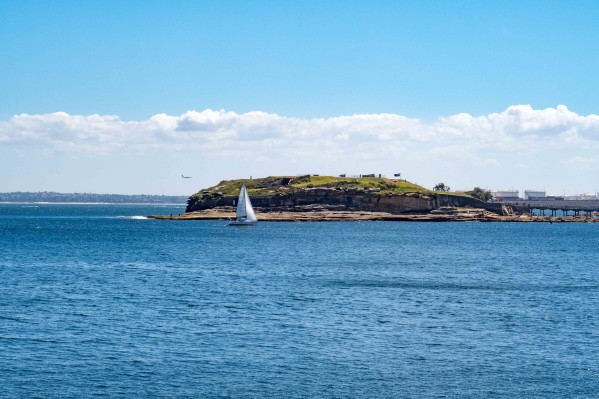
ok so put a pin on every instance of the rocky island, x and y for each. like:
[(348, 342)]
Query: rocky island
[(328, 198)]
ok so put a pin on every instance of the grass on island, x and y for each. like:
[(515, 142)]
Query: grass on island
[(272, 185)]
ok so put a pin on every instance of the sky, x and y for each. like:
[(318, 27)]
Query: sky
[(125, 97)]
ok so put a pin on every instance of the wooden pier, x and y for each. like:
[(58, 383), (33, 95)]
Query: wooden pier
[(575, 208)]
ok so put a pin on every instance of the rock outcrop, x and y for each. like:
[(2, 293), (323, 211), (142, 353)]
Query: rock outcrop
[(347, 199)]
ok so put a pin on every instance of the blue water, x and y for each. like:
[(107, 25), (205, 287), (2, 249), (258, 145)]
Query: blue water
[(94, 302)]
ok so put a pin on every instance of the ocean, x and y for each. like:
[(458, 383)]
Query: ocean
[(96, 300)]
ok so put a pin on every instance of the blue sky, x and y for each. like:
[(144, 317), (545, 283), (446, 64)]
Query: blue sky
[(422, 60)]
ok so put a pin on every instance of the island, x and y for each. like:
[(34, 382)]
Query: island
[(330, 198)]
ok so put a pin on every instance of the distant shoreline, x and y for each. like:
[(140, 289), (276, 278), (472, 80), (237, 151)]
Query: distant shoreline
[(472, 215), (89, 198), (89, 203)]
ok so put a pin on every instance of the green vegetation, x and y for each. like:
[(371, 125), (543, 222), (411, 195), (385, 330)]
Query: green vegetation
[(479, 193), (441, 187), (289, 184)]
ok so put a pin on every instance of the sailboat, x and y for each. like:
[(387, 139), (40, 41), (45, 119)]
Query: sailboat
[(245, 213)]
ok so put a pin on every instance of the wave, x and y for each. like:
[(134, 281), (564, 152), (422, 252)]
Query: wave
[(434, 285)]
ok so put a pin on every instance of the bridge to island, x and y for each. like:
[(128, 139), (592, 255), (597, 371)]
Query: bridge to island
[(567, 207)]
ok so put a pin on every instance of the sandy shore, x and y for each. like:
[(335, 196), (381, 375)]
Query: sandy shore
[(468, 215)]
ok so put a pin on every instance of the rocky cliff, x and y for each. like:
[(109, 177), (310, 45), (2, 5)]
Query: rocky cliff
[(341, 198)]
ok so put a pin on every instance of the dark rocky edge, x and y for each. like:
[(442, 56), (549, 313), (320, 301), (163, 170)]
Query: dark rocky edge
[(318, 213), (348, 199), (327, 198)]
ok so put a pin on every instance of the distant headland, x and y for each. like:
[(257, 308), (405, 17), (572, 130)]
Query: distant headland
[(324, 198), (54, 197)]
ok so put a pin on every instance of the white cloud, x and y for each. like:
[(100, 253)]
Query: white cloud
[(487, 162), (520, 146), (584, 163), (519, 128), (515, 128)]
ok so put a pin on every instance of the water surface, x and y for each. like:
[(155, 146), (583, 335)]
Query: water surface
[(97, 301)]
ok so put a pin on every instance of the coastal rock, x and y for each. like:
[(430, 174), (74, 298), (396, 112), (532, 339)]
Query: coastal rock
[(320, 214), (349, 199), (311, 193)]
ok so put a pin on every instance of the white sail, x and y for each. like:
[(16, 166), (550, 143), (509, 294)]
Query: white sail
[(245, 215), (241, 211), (249, 211)]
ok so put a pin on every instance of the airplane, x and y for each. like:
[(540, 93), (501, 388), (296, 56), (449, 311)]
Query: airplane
[(186, 177)]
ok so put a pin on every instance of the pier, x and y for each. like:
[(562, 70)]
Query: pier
[(575, 208)]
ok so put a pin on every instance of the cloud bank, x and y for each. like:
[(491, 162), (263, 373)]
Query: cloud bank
[(518, 128), (520, 145)]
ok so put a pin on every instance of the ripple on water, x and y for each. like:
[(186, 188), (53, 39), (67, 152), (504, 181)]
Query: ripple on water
[(97, 304)]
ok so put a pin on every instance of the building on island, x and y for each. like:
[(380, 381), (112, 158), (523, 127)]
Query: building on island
[(534, 195), (506, 195), (581, 197)]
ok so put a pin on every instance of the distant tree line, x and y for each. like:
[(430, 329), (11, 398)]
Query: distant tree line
[(476, 192), (46, 196), (441, 187), (483, 195)]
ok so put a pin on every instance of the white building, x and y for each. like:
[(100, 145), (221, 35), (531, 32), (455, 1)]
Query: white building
[(534, 195), (581, 197), (506, 195)]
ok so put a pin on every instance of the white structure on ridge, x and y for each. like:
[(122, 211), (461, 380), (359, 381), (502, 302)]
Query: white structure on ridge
[(506, 195), (581, 197), (534, 195)]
